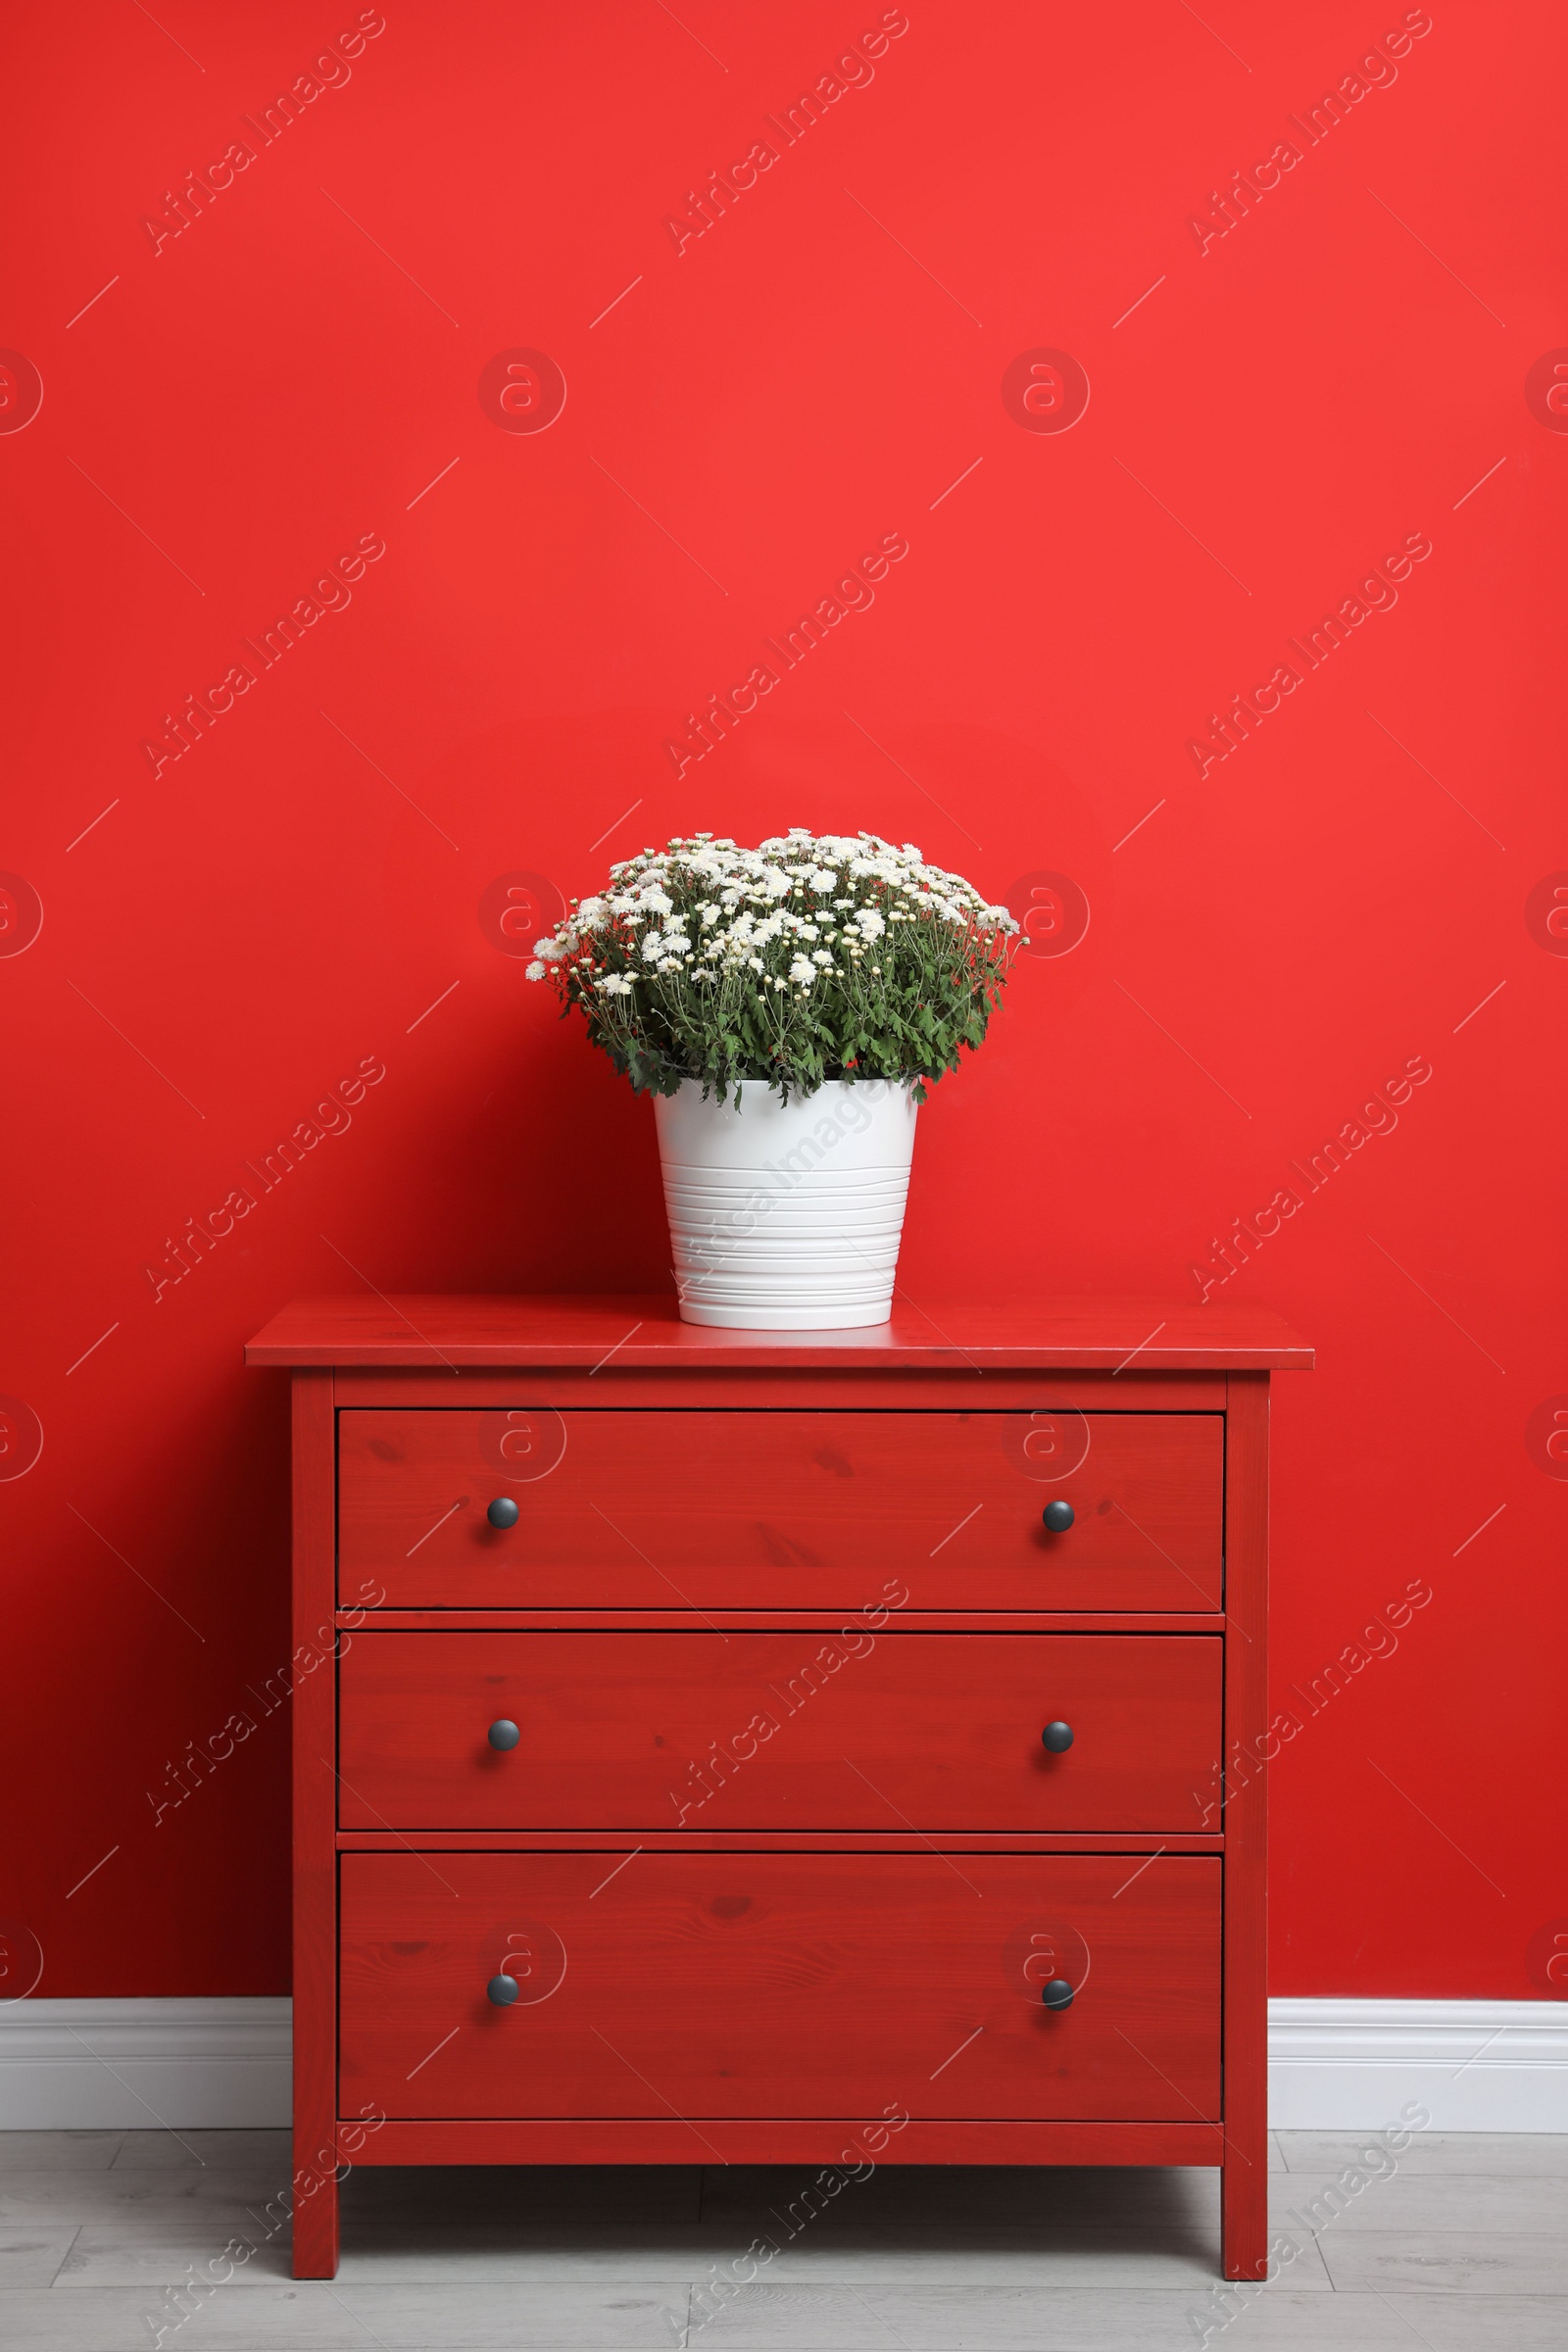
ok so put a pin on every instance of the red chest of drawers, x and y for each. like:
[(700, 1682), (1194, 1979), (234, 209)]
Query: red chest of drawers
[(774, 1747)]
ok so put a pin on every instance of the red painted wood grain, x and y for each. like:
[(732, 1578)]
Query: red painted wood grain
[(355, 1330), (805, 1984), (1245, 1783), (781, 2139), (777, 1730), (314, 1911), (701, 1509)]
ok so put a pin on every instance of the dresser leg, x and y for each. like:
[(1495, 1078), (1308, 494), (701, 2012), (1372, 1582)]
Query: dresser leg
[(314, 1700), (316, 2233), (1244, 2214)]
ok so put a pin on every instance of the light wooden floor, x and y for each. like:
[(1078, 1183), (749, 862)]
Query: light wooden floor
[(1464, 2249)]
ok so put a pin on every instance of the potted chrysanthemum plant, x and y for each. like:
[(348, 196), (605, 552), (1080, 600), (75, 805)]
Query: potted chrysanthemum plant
[(787, 1007)]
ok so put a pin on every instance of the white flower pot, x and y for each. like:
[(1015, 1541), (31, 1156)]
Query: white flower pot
[(786, 1216)]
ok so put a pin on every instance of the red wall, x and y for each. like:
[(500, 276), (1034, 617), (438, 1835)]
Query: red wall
[(310, 366)]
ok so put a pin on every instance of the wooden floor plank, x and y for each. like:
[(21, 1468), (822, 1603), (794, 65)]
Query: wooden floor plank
[(1465, 2246)]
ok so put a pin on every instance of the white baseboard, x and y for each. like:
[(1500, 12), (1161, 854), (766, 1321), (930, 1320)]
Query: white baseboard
[(132, 2065), (1475, 2066), (1333, 2066)]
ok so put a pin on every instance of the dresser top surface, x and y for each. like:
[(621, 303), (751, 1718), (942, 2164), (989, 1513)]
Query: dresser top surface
[(586, 1330)]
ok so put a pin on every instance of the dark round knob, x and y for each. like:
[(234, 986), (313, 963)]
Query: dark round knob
[(1058, 1737), (507, 1735), (1058, 1994), (502, 1990), (1058, 1516), (503, 1512)]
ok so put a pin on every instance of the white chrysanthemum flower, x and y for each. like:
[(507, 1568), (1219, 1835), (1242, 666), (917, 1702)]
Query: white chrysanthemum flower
[(535, 970), (704, 910)]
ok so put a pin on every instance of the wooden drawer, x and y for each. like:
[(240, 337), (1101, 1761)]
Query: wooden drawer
[(801, 1730), (782, 1986), (681, 1510)]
